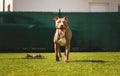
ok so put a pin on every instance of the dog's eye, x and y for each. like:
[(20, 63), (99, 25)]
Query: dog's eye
[(59, 22), (64, 22)]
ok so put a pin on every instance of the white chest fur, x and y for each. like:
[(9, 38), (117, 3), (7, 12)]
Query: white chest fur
[(62, 41)]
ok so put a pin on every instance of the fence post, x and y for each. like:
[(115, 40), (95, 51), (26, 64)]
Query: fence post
[(59, 12)]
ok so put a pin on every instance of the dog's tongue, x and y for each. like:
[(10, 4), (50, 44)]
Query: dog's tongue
[(60, 31)]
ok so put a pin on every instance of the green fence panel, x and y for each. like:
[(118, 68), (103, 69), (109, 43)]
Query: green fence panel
[(91, 31)]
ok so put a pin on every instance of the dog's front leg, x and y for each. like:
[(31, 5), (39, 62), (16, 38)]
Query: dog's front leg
[(57, 52), (67, 50)]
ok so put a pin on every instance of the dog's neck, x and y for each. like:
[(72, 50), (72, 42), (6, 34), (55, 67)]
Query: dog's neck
[(61, 35)]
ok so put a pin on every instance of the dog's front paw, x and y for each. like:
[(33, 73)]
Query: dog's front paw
[(57, 58), (60, 58), (66, 60)]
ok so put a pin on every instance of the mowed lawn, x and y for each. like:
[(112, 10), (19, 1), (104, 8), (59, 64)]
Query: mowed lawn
[(81, 64)]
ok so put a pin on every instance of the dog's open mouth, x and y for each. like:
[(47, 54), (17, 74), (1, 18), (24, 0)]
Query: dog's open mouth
[(61, 30)]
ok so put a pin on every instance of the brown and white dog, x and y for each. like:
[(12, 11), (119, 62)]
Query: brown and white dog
[(62, 37)]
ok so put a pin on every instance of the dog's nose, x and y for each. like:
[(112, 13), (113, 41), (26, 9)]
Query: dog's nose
[(61, 26)]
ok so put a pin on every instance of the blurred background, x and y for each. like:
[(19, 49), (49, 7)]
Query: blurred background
[(28, 26)]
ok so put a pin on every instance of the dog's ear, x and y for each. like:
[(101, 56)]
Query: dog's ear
[(66, 18), (55, 18)]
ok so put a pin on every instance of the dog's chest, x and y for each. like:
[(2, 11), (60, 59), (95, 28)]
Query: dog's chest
[(62, 39)]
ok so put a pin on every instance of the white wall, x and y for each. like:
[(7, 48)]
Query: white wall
[(48, 5), (64, 5), (1, 5), (113, 4), (7, 2)]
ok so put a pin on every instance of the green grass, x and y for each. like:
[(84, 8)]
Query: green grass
[(81, 64)]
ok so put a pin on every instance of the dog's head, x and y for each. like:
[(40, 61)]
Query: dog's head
[(61, 24)]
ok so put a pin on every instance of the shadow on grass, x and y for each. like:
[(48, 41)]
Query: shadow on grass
[(94, 61), (22, 58), (31, 58)]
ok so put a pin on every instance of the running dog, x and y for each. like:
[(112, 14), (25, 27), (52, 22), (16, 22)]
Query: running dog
[(62, 37)]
